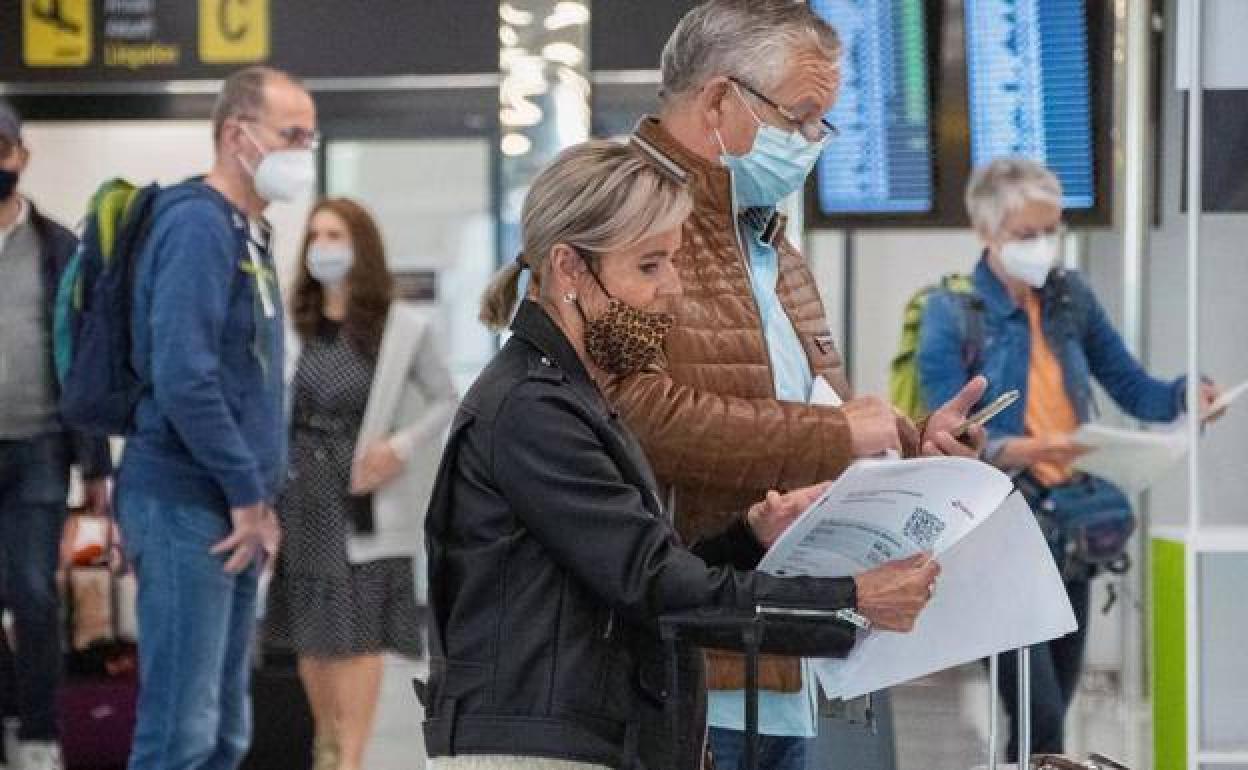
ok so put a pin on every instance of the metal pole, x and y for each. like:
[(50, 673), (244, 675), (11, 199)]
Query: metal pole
[(1024, 708), (752, 641), (848, 309), (669, 635), (1195, 128), (1135, 170), (994, 715), (1136, 18)]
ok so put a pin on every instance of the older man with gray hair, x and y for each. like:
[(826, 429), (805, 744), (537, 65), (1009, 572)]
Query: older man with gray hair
[(728, 414)]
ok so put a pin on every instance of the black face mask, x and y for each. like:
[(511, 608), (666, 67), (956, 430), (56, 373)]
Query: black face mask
[(8, 183)]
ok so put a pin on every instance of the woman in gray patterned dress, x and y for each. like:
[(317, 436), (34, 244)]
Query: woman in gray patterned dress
[(338, 612)]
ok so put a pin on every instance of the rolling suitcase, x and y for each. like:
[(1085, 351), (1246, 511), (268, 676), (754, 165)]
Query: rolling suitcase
[(97, 721), (1037, 761), (98, 698), (740, 631), (283, 729)]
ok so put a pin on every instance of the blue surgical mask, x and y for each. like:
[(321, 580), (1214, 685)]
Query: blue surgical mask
[(774, 168), (329, 263)]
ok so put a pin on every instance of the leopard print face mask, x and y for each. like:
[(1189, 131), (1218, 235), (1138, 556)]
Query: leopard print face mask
[(624, 339)]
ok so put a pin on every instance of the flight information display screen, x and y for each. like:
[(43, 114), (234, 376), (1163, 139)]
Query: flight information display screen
[(1029, 80), (881, 162)]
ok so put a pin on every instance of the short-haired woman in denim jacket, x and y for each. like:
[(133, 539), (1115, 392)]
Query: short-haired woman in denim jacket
[(1039, 330)]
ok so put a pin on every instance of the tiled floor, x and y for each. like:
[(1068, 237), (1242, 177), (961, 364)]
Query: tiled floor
[(940, 723), (397, 742)]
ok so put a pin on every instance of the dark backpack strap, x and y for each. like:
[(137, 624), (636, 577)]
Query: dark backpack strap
[(972, 332), (132, 239), (1071, 301)]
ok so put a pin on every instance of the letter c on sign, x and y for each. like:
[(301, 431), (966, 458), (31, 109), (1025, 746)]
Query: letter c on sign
[(230, 33)]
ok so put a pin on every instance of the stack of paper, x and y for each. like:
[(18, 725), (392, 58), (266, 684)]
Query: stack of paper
[(1228, 397), (1132, 459), (986, 540), (1137, 459)]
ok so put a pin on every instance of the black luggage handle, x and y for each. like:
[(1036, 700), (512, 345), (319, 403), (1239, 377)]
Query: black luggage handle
[(736, 630)]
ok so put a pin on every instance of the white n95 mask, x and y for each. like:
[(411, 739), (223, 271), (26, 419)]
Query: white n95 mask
[(282, 175), (1032, 260)]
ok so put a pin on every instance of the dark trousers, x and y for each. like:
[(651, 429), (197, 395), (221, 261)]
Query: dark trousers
[(8, 687), (8, 678), (775, 752), (34, 481), (1055, 668)]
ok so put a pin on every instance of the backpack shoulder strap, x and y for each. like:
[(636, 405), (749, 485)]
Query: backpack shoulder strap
[(972, 307), (1073, 297)]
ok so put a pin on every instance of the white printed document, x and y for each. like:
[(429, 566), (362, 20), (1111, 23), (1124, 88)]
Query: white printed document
[(1132, 459), (988, 544), (1228, 397), (1137, 459)]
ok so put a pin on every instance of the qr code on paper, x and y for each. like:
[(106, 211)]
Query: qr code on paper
[(923, 528)]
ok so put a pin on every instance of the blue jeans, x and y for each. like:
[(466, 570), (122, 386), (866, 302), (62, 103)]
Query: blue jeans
[(195, 630), (1055, 667), (775, 752), (34, 482)]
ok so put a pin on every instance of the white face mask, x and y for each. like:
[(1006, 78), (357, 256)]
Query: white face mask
[(283, 175), (329, 262), (1032, 260)]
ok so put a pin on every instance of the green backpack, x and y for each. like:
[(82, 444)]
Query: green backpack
[(91, 321), (904, 388)]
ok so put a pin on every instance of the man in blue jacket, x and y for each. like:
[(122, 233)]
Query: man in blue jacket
[(35, 452), (206, 453)]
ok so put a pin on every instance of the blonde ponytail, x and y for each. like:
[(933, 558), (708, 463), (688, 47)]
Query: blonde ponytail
[(596, 197), (498, 303)]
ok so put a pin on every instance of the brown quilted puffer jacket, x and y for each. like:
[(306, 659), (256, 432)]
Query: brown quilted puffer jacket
[(707, 414)]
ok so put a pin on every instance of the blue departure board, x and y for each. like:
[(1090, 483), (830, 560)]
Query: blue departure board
[(1029, 88), (881, 162)]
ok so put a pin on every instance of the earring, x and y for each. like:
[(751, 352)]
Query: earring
[(569, 297)]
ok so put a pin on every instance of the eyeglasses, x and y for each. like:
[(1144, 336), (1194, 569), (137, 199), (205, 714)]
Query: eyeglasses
[(293, 136), (814, 129), (1023, 236)]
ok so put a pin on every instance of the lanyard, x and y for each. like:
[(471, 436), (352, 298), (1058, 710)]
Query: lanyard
[(255, 266)]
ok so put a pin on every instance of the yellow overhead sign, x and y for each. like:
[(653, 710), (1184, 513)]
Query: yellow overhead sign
[(233, 31), (56, 33)]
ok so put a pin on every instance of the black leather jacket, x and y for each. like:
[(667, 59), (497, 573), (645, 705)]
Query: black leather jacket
[(550, 561)]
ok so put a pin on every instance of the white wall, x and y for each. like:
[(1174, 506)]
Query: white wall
[(432, 200), (1224, 316), (889, 267), (70, 160)]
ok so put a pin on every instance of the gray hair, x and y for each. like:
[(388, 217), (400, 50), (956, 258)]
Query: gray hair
[(750, 39), (597, 197), (1006, 185), (243, 95)]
